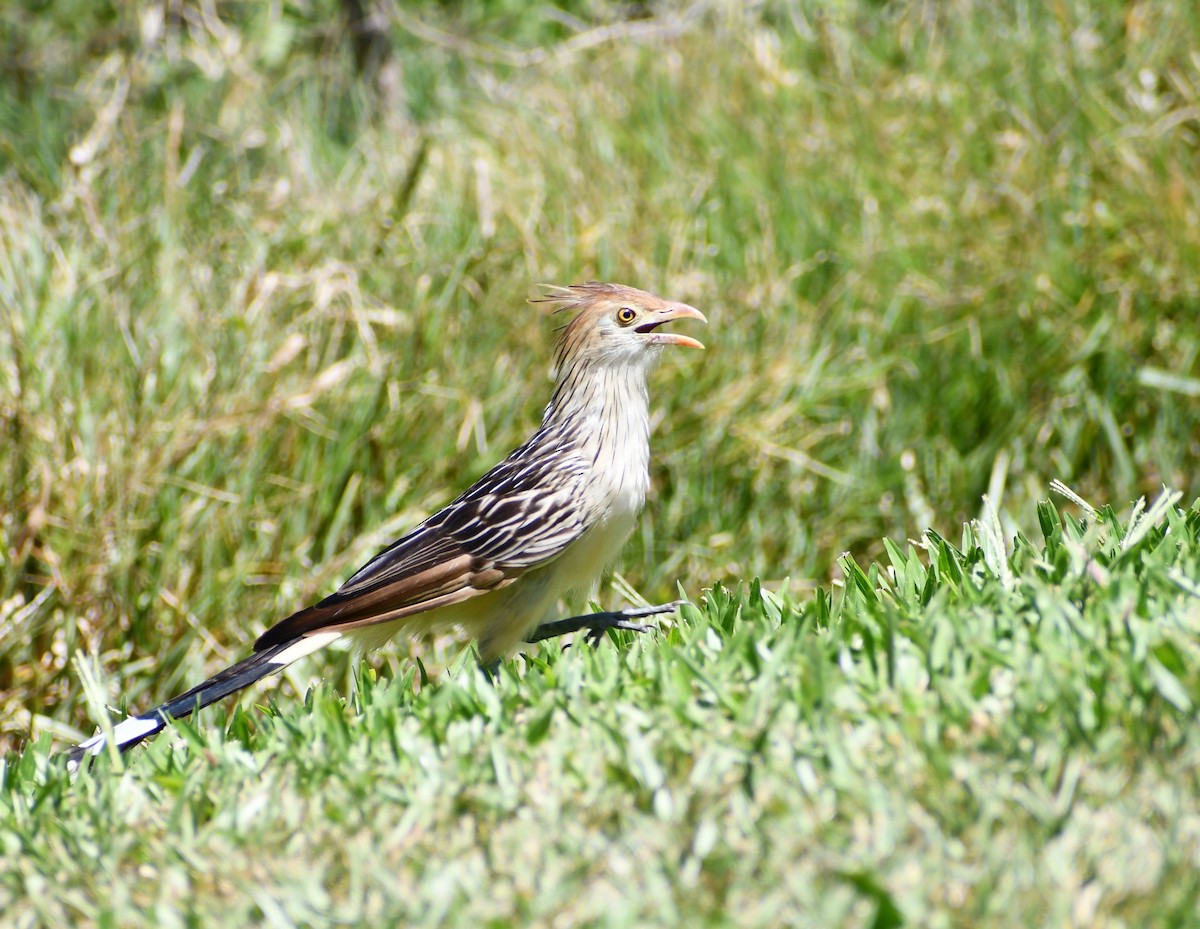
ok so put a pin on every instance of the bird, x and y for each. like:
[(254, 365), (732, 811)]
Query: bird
[(494, 563)]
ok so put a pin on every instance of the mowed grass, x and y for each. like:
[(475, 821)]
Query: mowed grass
[(974, 735), (261, 313)]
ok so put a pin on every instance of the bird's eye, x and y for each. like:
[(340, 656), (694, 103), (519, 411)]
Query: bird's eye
[(626, 315)]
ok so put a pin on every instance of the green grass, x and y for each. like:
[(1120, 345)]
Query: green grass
[(966, 735), (259, 314)]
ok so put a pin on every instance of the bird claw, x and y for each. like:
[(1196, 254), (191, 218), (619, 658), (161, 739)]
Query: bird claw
[(597, 624), (621, 619), (636, 612), (596, 632)]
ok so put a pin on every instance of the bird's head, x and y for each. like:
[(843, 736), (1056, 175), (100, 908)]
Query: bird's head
[(617, 325)]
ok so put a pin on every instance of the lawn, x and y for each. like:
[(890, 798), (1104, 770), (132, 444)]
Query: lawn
[(263, 307)]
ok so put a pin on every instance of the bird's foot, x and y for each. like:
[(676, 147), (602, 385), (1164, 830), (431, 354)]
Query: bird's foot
[(597, 624), (490, 671)]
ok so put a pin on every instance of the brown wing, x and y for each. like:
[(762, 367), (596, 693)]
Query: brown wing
[(519, 516)]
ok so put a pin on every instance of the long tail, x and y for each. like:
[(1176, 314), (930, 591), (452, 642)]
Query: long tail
[(129, 732)]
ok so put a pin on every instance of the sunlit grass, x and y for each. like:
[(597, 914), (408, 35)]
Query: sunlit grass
[(261, 314), (985, 734)]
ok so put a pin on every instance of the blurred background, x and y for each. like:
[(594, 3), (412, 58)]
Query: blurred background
[(264, 271)]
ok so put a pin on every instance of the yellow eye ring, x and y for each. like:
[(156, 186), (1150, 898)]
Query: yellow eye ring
[(626, 315)]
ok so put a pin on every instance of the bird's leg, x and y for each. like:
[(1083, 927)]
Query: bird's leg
[(595, 623), (598, 623)]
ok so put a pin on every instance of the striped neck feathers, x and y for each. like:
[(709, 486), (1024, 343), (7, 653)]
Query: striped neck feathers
[(608, 391)]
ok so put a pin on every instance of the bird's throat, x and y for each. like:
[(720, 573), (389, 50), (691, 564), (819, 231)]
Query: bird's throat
[(599, 398)]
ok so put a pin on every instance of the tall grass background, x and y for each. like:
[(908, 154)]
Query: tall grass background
[(263, 308)]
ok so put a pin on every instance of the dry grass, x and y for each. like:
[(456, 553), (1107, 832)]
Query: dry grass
[(259, 314)]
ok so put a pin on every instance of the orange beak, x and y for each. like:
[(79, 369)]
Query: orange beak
[(669, 313)]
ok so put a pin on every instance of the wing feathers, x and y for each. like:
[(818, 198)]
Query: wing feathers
[(315, 621), (520, 515)]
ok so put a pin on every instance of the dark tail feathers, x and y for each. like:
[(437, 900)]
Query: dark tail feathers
[(129, 732)]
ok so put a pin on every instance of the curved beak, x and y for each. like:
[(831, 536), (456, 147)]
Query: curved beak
[(669, 313)]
